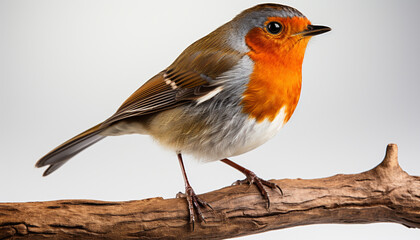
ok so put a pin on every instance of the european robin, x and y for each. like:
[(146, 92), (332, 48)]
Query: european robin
[(226, 94)]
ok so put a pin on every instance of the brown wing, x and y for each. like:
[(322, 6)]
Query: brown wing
[(192, 75), (157, 94)]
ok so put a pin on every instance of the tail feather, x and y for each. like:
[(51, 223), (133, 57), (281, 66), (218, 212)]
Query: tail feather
[(61, 154)]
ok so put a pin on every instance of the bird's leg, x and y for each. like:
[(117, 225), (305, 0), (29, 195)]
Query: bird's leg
[(251, 178), (194, 203)]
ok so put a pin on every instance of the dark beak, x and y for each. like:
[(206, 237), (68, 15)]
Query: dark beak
[(313, 30)]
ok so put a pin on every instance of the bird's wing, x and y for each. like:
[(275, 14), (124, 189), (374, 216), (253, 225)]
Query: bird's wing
[(189, 78)]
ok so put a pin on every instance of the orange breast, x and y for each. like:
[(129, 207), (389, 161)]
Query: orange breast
[(276, 79)]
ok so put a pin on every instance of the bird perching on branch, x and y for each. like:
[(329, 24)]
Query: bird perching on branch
[(226, 94)]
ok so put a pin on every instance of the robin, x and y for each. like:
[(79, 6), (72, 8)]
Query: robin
[(226, 94)]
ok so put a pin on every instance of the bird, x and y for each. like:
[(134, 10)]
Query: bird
[(224, 95)]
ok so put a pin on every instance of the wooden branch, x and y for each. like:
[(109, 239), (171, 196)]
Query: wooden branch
[(383, 194)]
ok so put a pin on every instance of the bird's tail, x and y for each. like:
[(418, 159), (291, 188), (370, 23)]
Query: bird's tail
[(61, 154)]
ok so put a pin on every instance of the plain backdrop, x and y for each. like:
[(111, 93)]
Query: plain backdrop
[(67, 65)]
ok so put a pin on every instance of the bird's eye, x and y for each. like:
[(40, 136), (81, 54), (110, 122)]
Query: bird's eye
[(274, 27)]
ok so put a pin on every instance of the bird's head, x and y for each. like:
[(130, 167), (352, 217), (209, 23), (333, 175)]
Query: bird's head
[(273, 29)]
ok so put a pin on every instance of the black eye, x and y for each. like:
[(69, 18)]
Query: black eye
[(274, 27)]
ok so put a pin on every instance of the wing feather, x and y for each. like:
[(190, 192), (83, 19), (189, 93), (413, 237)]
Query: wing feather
[(186, 80)]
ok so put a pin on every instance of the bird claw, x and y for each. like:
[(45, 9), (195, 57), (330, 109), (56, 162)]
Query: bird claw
[(252, 178), (195, 204)]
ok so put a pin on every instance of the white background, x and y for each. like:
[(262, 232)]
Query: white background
[(67, 65)]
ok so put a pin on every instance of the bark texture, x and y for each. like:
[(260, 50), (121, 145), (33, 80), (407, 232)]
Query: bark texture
[(383, 194)]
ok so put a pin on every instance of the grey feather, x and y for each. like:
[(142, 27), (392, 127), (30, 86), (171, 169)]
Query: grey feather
[(61, 154)]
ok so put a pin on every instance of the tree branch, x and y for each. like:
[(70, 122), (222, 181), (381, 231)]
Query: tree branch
[(383, 194)]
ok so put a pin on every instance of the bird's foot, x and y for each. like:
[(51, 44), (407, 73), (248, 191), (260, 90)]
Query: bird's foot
[(252, 178), (195, 204)]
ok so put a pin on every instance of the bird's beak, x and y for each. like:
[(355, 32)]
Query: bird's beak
[(313, 30)]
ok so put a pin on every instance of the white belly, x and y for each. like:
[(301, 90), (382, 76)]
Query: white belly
[(261, 133), (222, 139)]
